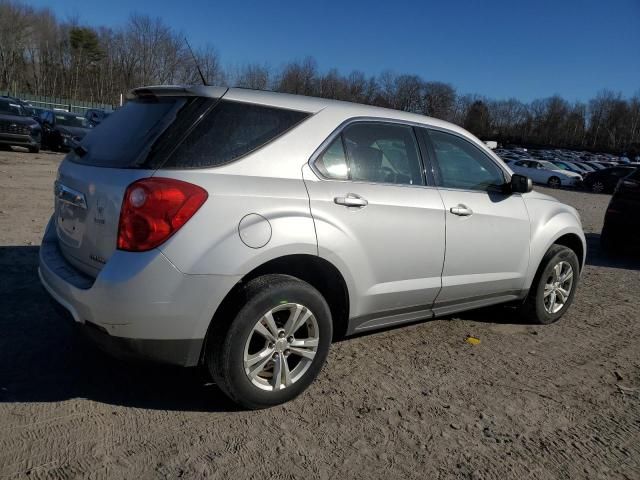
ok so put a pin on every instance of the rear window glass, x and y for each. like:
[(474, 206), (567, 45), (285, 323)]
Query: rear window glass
[(229, 131), (122, 139)]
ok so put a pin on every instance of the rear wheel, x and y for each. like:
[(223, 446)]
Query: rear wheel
[(553, 287), (554, 182), (35, 149), (275, 345)]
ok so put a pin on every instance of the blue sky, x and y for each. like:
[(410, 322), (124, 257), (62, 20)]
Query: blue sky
[(500, 48)]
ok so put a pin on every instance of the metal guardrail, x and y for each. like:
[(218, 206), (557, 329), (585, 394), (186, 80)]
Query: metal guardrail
[(52, 103)]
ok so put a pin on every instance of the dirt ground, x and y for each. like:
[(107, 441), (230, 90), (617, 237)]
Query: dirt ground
[(560, 401)]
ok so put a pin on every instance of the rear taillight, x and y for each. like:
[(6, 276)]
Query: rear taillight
[(153, 209)]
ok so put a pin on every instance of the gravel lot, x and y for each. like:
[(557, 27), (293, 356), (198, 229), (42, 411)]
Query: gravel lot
[(561, 401)]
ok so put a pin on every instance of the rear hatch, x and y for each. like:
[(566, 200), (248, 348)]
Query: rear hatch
[(128, 145)]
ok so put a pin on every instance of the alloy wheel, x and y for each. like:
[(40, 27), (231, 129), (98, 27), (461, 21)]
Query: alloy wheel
[(281, 347), (554, 182), (597, 187), (558, 287)]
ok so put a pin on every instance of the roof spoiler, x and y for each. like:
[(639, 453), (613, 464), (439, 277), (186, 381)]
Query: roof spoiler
[(177, 91)]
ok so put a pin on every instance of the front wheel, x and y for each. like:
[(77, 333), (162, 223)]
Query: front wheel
[(597, 187), (276, 344), (554, 182), (553, 287)]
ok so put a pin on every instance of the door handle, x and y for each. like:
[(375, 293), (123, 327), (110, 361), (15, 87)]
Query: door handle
[(461, 210), (351, 200)]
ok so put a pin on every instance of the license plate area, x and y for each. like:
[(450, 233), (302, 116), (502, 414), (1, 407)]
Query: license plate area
[(71, 214)]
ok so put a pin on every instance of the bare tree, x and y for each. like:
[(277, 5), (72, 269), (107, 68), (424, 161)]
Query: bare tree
[(42, 55), (439, 100), (254, 76)]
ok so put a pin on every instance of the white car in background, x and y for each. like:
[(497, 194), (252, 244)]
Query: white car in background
[(542, 171)]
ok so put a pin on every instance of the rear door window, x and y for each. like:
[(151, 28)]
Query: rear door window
[(373, 152)]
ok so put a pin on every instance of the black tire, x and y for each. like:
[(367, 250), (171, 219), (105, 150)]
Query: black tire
[(533, 308), (554, 182), (224, 351), (35, 149)]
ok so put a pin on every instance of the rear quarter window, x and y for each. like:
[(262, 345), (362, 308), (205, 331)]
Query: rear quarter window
[(230, 131)]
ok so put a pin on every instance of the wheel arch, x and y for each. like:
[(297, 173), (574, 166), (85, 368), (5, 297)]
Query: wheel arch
[(556, 225), (574, 242), (316, 271)]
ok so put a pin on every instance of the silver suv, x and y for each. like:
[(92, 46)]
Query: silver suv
[(243, 230)]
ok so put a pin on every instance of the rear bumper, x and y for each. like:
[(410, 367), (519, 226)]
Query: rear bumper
[(172, 352), (139, 305)]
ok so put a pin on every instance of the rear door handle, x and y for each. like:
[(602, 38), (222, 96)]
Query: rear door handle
[(461, 210), (351, 200)]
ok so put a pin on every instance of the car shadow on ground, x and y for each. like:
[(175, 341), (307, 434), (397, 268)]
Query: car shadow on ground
[(44, 359)]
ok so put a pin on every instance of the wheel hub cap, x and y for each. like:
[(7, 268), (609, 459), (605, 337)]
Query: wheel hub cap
[(281, 345)]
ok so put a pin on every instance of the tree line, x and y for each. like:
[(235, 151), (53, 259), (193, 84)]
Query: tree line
[(42, 55)]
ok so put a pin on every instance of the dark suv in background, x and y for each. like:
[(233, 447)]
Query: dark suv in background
[(17, 127), (62, 130), (621, 228)]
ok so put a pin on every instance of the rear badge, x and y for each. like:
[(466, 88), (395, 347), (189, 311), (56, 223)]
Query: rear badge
[(98, 259)]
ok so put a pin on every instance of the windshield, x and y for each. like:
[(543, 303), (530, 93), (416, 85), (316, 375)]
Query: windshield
[(10, 108), (578, 167), (548, 165), (586, 167), (562, 166), (70, 120)]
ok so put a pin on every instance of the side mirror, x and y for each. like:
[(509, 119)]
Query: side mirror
[(521, 184)]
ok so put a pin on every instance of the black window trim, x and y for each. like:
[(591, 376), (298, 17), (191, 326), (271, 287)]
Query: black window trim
[(432, 153), (427, 180)]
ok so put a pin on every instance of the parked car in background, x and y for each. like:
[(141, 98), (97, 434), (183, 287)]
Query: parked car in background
[(36, 113), (240, 230), (17, 127), (546, 173), (96, 116), (62, 130), (621, 230), (605, 181)]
